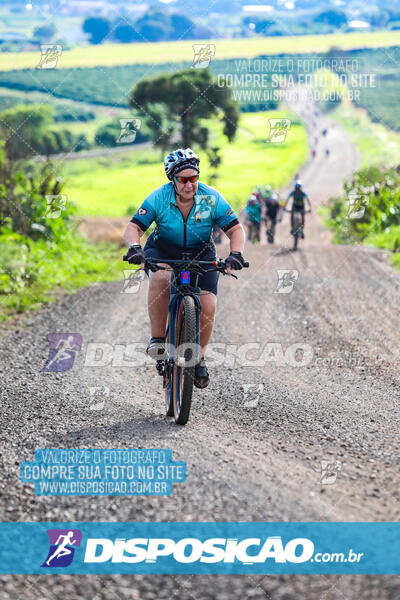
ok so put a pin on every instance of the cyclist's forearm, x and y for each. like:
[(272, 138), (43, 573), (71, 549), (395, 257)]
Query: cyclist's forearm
[(133, 233), (236, 237)]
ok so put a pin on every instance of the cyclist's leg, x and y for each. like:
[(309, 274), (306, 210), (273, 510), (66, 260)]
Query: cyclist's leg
[(158, 301), (159, 293), (208, 283), (208, 307)]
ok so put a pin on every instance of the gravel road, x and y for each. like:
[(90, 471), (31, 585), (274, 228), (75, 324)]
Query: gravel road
[(257, 435)]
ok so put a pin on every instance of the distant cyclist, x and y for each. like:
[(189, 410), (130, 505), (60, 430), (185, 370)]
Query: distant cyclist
[(272, 209), (253, 217), (299, 198), (258, 193)]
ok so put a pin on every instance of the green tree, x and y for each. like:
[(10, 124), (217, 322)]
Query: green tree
[(126, 33), (335, 17), (176, 104), (21, 127), (97, 27), (45, 33)]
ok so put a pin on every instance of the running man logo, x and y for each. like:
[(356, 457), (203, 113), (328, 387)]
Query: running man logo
[(63, 347), (63, 543), (286, 280), (203, 53), (278, 129), (50, 55), (129, 127)]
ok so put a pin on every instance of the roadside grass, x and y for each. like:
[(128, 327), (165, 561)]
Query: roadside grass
[(162, 52), (115, 185), (387, 240), (40, 272), (377, 144)]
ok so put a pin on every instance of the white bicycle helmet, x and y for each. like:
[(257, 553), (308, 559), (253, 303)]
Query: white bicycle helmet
[(180, 159)]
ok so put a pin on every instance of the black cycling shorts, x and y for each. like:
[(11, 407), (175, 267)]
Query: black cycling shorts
[(208, 281)]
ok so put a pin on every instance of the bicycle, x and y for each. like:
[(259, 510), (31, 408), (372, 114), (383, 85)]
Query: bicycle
[(297, 226), (253, 232), (182, 336)]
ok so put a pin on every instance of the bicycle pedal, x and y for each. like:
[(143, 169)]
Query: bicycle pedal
[(160, 367)]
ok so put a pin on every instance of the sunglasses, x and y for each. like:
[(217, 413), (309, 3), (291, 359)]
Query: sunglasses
[(192, 179)]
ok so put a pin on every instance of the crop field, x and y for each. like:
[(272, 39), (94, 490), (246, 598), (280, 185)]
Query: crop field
[(171, 52), (115, 185)]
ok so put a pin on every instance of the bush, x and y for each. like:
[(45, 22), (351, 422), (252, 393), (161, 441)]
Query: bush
[(39, 253), (369, 207)]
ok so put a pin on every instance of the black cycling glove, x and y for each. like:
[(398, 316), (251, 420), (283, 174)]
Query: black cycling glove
[(135, 255), (235, 261)]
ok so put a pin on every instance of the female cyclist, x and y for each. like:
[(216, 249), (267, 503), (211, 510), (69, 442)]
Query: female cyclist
[(185, 212)]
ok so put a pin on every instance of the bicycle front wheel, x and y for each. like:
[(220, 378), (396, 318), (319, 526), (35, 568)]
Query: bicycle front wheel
[(168, 381), (185, 354)]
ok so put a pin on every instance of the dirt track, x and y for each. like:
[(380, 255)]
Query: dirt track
[(253, 454)]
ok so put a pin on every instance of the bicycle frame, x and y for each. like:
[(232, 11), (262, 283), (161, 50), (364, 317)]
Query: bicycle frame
[(177, 291)]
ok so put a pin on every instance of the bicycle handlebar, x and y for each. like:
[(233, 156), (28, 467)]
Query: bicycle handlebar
[(219, 265)]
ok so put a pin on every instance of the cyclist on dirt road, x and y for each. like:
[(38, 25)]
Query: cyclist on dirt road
[(271, 215), (253, 217), (185, 212), (299, 197)]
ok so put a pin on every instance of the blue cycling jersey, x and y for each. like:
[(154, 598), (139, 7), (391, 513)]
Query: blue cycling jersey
[(209, 209)]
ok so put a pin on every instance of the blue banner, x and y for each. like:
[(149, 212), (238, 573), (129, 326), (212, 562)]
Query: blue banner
[(193, 548)]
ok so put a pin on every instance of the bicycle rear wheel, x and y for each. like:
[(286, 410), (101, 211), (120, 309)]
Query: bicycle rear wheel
[(183, 376)]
